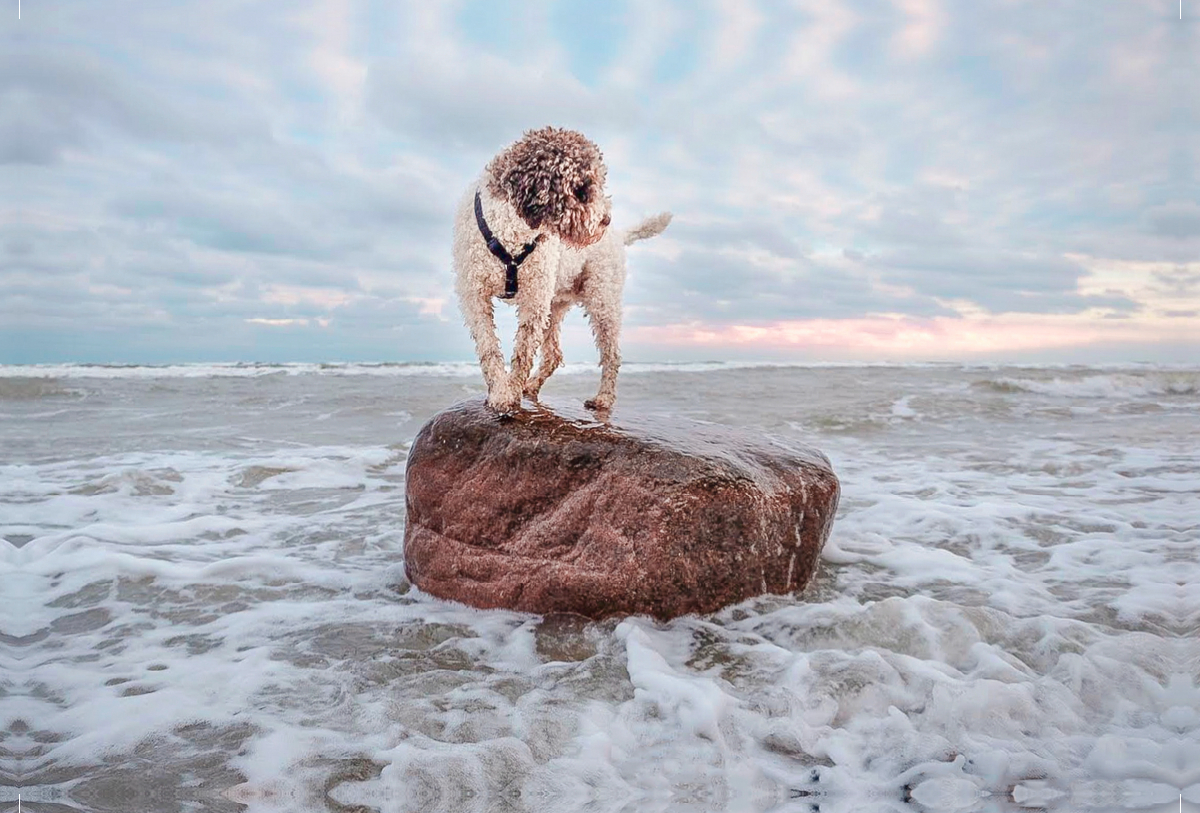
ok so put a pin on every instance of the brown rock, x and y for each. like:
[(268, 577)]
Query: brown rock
[(555, 512)]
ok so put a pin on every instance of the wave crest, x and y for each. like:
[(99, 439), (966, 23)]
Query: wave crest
[(1114, 385)]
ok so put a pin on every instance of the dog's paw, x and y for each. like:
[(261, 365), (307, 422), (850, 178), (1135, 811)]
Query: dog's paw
[(505, 400), (599, 404), (531, 392), (505, 406)]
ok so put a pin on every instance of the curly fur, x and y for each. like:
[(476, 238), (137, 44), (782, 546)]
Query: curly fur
[(554, 178), (548, 186)]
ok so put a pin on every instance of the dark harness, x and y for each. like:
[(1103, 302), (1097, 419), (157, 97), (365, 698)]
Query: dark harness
[(511, 263)]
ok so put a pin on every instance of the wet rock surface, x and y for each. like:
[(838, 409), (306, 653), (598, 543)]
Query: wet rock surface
[(552, 511)]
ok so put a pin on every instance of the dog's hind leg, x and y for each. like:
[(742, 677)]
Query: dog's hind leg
[(552, 357), (605, 315), (479, 313)]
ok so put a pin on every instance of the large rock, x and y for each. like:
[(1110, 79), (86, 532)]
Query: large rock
[(554, 512)]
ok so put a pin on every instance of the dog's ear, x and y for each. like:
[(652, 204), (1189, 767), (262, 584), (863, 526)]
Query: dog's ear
[(554, 179)]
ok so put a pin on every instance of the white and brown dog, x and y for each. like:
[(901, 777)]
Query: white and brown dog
[(534, 230)]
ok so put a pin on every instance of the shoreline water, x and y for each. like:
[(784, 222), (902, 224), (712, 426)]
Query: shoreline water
[(205, 604)]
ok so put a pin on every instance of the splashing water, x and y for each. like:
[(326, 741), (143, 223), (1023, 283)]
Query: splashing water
[(202, 603)]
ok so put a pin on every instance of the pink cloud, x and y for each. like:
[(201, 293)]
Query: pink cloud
[(939, 337)]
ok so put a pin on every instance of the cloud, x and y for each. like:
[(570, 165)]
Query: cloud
[(285, 322), (901, 338), (922, 29), (57, 99), (197, 176), (481, 101), (1178, 219)]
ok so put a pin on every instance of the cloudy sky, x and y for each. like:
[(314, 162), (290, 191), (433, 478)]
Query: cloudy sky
[(880, 179)]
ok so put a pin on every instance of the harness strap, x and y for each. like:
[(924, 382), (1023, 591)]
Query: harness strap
[(511, 263)]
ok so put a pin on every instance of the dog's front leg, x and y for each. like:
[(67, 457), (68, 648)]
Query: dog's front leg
[(533, 317), (480, 316)]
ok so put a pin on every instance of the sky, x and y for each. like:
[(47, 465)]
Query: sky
[(904, 180)]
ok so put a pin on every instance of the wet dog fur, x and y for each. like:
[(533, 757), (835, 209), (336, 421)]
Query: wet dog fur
[(547, 187)]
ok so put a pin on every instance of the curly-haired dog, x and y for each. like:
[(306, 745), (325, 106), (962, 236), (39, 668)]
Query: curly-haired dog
[(534, 231)]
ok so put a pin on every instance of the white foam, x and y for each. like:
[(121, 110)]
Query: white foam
[(468, 368), (902, 409), (460, 369), (1003, 614), (1111, 386)]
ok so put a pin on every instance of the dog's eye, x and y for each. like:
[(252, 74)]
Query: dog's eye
[(583, 192)]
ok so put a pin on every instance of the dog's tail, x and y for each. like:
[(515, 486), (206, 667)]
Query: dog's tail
[(649, 227)]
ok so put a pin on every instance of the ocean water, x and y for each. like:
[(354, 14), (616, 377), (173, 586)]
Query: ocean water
[(203, 604)]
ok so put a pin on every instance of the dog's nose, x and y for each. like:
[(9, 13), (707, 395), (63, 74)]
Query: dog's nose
[(607, 219)]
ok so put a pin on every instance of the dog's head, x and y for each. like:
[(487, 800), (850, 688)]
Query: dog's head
[(554, 178)]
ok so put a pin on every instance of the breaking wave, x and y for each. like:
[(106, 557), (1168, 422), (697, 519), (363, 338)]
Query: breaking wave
[(31, 389), (384, 369), (1115, 385)]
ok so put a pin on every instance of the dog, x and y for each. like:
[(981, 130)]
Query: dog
[(534, 231)]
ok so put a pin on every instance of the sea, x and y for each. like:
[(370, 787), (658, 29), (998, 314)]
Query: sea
[(203, 604)]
